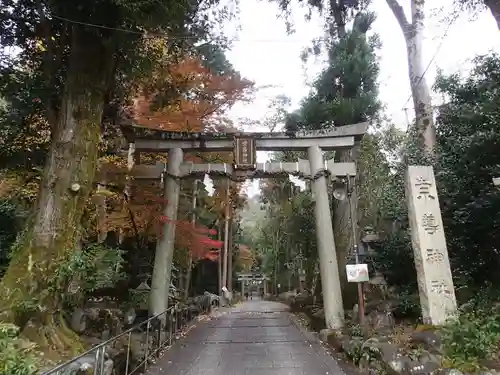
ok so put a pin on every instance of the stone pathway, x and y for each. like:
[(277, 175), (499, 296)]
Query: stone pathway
[(253, 338)]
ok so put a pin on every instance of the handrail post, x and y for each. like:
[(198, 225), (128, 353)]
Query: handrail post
[(173, 314), (146, 354), (128, 352)]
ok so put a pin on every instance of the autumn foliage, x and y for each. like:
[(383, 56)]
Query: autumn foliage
[(195, 239), (246, 258), (182, 96), (202, 105)]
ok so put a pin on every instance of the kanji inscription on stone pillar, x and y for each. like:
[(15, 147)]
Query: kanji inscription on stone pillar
[(435, 283)]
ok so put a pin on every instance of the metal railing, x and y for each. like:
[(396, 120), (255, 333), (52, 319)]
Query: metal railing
[(156, 333)]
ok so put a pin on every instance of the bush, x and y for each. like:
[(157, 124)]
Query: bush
[(472, 337), (16, 358), (95, 267), (10, 220), (408, 305)]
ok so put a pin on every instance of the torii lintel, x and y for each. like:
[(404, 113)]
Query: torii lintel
[(147, 140)]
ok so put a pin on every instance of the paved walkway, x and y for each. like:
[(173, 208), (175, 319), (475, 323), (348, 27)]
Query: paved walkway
[(253, 338)]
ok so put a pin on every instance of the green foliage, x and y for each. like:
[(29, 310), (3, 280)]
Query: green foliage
[(346, 90), (469, 157), (408, 303), (360, 351), (24, 137), (95, 267), (473, 337), (15, 359), (394, 258), (355, 330), (380, 188), (9, 226)]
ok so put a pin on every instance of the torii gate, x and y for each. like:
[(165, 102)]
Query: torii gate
[(252, 276), (244, 146)]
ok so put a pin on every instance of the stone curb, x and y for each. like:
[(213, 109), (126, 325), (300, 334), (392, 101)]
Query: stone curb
[(334, 364)]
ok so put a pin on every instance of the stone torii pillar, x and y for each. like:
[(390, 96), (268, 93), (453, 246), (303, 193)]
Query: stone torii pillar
[(329, 269), (160, 283)]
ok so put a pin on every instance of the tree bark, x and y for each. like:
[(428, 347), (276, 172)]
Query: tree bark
[(422, 101), (337, 10), (54, 230), (494, 6)]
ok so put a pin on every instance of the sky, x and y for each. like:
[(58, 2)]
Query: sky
[(266, 54)]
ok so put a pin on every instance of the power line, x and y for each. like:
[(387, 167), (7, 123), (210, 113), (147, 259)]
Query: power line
[(135, 32), (166, 36), (436, 52)]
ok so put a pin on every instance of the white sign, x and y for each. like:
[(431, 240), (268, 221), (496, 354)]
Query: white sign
[(209, 185), (357, 273)]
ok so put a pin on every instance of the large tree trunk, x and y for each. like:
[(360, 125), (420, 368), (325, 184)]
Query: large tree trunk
[(494, 6), (422, 101), (34, 277)]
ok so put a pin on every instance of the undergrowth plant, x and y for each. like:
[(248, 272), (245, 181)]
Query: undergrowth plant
[(16, 358), (472, 337)]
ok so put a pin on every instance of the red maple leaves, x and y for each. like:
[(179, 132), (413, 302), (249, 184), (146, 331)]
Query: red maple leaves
[(195, 239)]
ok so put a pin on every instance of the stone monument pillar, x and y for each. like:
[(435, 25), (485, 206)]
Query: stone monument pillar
[(435, 283)]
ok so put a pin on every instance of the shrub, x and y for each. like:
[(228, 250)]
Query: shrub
[(472, 337), (16, 358)]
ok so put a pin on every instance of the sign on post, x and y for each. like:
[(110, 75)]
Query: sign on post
[(357, 273), (244, 153)]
